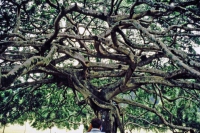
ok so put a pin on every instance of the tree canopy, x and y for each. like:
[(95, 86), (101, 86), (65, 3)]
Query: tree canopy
[(61, 59)]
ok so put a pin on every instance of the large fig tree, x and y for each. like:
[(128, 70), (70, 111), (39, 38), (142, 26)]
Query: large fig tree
[(132, 62)]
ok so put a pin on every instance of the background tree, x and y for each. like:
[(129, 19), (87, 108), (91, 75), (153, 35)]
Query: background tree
[(132, 62)]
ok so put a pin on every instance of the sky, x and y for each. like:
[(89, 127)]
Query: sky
[(197, 49)]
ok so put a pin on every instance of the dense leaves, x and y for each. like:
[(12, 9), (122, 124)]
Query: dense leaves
[(44, 107), (134, 59)]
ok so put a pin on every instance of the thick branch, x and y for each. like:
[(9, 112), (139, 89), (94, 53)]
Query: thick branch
[(118, 100), (26, 67)]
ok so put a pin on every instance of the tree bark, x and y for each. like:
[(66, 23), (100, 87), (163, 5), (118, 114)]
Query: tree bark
[(109, 124), (4, 126)]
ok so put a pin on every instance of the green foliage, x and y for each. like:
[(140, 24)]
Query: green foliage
[(103, 81), (44, 107)]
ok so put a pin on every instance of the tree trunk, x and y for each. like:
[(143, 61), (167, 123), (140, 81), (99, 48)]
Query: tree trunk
[(4, 126), (109, 124), (109, 114)]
